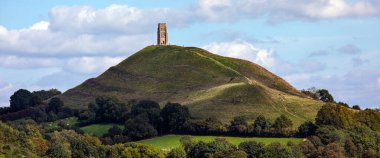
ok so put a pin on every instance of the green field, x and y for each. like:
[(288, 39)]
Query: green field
[(54, 125), (172, 141), (99, 129)]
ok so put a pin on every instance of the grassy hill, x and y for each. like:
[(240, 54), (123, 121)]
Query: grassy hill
[(209, 84)]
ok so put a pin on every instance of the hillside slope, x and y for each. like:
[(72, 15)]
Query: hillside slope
[(209, 84)]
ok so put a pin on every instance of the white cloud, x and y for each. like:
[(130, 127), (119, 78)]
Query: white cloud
[(6, 90), (42, 25), (22, 62), (298, 78), (114, 19), (243, 50), (378, 82), (279, 10), (90, 65)]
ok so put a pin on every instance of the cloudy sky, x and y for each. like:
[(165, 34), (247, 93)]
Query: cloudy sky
[(332, 44)]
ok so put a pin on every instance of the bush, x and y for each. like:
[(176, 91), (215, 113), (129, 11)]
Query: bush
[(137, 150), (174, 117), (306, 129), (252, 148), (277, 150), (177, 153), (139, 128)]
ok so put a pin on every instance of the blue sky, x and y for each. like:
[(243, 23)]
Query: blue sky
[(332, 44)]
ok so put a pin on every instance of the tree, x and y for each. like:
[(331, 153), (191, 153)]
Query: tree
[(174, 116), (107, 109), (307, 129), (148, 109), (214, 126), (21, 99), (261, 124), (239, 125), (333, 150), (329, 134), (137, 150), (178, 152), (277, 150), (115, 130), (59, 150), (356, 107), (199, 150), (324, 95), (217, 148), (281, 123), (44, 95), (54, 105), (337, 116), (138, 128), (187, 143), (253, 149), (350, 148), (309, 149)]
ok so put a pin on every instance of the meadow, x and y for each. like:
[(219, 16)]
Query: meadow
[(99, 129), (171, 141)]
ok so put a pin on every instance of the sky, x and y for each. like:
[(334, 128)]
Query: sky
[(330, 44)]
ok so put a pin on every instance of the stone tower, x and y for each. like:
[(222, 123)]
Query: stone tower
[(162, 34)]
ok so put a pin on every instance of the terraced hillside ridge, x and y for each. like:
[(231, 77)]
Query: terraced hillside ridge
[(209, 84)]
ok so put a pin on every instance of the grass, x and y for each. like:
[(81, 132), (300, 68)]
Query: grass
[(49, 126), (99, 129), (171, 141), (210, 85)]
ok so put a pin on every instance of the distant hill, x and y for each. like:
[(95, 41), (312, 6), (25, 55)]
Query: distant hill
[(209, 84)]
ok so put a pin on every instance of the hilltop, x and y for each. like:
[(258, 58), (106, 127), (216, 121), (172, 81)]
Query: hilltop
[(209, 84)]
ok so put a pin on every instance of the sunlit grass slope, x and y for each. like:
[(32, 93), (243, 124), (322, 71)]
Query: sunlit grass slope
[(209, 84)]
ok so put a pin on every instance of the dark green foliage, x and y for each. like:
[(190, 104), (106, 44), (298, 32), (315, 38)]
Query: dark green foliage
[(282, 124), (21, 99), (364, 138), (187, 143), (136, 150), (210, 125), (306, 129), (174, 117), (343, 104), (324, 95), (261, 124), (295, 150), (199, 150), (329, 134), (217, 148), (277, 150), (44, 95), (115, 130), (252, 148), (239, 125), (107, 109), (370, 118), (350, 148), (59, 150), (138, 128), (356, 107), (177, 153), (214, 126), (38, 114), (149, 110), (54, 105)]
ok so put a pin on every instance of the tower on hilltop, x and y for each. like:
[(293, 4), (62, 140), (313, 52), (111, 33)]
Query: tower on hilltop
[(162, 34)]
